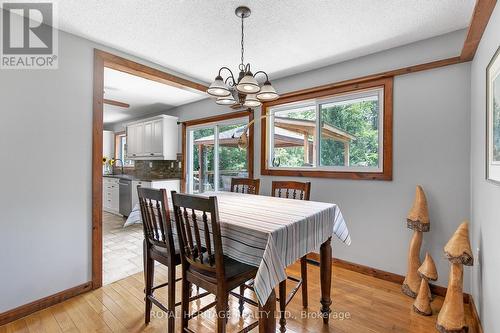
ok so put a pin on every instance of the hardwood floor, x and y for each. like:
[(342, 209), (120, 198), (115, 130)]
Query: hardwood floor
[(360, 304)]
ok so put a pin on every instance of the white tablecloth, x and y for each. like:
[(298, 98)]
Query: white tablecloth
[(272, 233)]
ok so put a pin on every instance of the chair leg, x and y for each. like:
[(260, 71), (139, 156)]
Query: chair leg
[(171, 299), (149, 267), (222, 312), (303, 273), (282, 296), (186, 291), (242, 302)]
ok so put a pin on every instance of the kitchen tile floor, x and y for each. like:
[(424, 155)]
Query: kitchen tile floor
[(122, 248)]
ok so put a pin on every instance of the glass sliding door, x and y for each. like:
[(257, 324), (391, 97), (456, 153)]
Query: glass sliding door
[(202, 160), (213, 156), (233, 161)]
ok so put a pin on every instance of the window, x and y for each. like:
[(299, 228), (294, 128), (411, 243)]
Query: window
[(213, 155), (121, 150), (341, 132)]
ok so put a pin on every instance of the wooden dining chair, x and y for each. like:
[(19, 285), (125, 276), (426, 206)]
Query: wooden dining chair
[(245, 185), (159, 246), (298, 191), (197, 222)]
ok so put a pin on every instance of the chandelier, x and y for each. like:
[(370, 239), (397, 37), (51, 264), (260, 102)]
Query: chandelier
[(244, 91)]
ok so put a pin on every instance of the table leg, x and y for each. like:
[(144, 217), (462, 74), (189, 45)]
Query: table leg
[(326, 278), (267, 321)]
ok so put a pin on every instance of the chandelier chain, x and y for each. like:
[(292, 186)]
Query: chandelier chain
[(242, 40)]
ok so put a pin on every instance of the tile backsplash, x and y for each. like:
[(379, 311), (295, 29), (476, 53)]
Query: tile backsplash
[(154, 169)]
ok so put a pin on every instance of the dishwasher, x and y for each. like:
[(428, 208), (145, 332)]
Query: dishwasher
[(125, 197)]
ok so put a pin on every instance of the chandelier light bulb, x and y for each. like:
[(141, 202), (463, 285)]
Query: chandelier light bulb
[(267, 92), (251, 101), (218, 88), (248, 85), (226, 100)]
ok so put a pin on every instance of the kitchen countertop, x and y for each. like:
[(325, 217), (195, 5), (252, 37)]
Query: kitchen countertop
[(144, 179)]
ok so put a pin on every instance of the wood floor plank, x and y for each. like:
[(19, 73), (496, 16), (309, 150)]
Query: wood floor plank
[(63, 319), (360, 304), (18, 326), (49, 323)]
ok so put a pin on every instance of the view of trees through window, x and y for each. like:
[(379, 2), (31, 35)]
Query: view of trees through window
[(203, 161), (359, 118), (294, 148), (349, 133), (232, 161)]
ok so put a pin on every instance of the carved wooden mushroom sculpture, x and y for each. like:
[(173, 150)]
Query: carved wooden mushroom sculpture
[(427, 272), (451, 318), (418, 220)]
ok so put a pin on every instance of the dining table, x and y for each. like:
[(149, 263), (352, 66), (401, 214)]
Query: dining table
[(272, 233)]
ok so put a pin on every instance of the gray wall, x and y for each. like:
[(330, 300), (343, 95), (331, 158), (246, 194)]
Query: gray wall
[(485, 195), (431, 147), (45, 197)]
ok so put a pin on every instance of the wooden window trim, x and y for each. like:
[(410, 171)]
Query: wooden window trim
[(330, 90), (214, 119)]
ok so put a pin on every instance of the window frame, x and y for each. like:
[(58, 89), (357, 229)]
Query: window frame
[(118, 137), (222, 119), (322, 95)]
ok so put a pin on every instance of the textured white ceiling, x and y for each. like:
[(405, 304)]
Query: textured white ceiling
[(196, 37), (144, 96)]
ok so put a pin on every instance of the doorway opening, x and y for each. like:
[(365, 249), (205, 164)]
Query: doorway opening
[(117, 100)]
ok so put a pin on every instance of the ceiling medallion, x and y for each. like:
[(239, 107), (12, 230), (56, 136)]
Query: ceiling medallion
[(244, 91)]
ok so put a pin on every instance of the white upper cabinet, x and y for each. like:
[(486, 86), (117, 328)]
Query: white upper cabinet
[(153, 139)]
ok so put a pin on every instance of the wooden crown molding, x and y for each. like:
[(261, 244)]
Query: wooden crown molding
[(43, 303), (131, 67), (480, 17)]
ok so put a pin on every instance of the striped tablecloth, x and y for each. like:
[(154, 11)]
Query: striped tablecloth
[(271, 233)]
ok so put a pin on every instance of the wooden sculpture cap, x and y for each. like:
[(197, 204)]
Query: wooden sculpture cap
[(458, 250), (418, 217), (428, 269)]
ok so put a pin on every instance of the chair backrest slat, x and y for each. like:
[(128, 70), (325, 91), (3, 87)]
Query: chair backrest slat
[(245, 185), (291, 190), (197, 236), (208, 243), (202, 250), (154, 223), (155, 215)]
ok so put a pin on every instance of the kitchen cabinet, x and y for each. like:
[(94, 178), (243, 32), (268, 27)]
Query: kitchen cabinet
[(135, 137), (153, 138), (110, 195)]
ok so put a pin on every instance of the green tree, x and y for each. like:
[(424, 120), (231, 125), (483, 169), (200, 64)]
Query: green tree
[(359, 119)]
